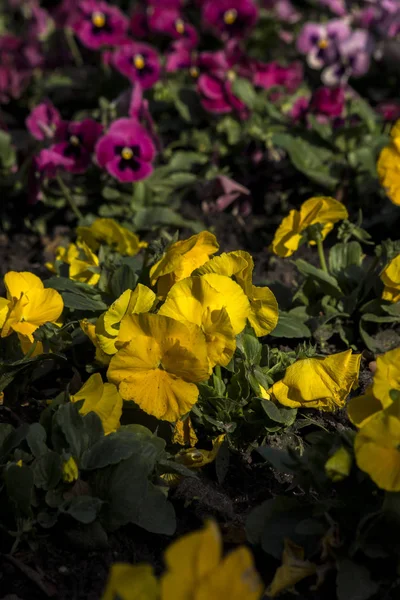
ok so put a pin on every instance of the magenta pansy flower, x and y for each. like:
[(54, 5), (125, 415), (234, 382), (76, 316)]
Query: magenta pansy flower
[(126, 151), (139, 62), (268, 75), (43, 121), (328, 101), (49, 162), (217, 95), (99, 24), (77, 142), (170, 22), (230, 18), (284, 10), (390, 110), (320, 42)]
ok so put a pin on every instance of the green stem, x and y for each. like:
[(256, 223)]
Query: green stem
[(73, 47), (321, 255), (218, 372), (69, 198)]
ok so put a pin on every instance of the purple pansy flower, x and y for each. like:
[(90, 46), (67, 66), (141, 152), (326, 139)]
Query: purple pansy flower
[(217, 96), (43, 121), (78, 139), (268, 75), (126, 151), (354, 60), (329, 102), (17, 61), (336, 6), (99, 24), (139, 62), (230, 18), (320, 42), (170, 22), (284, 10), (48, 162), (390, 110)]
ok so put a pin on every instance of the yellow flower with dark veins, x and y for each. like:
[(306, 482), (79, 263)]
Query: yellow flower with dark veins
[(70, 471), (217, 305), (376, 448), (159, 367), (103, 399), (391, 280), (181, 259), (263, 310), (197, 570), (388, 166), (28, 306), (322, 383), (108, 231), (322, 210)]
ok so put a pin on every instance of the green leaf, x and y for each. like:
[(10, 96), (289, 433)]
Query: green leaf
[(124, 278), (19, 486), (250, 346), (283, 415), (5, 430), (290, 326), (8, 155), (327, 282), (76, 295), (14, 439), (279, 459), (342, 256), (244, 90), (353, 581), (74, 433), (47, 470), (36, 439), (150, 218), (222, 462), (83, 508), (111, 449), (89, 537)]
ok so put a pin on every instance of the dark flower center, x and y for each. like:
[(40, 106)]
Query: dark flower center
[(74, 147), (129, 157)]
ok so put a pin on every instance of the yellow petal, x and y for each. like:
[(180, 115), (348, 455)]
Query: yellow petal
[(264, 311), (338, 466), (26, 346), (322, 383), (293, 569), (322, 209), (131, 582), (386, 376), (184, 434), (44, 306), (4, 307), (189, 561), (113, 234), (17, 284), (103, 399), (236, 578), (196, 458), (376, 449), (361, 408), (388, 168), (237, 304), (228, 264), (83, 268), (288, 235), (391, 280), (90, 330)]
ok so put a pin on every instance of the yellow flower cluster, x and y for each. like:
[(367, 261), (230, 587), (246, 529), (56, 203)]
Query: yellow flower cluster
[(28, 306), (389, 166), (321, 210), (81, 256), (377, 415), (156, 359), (322, 383), (195, 570)]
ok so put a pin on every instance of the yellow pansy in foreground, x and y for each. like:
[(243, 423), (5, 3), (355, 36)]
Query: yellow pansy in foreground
[(101, 398), (391, 280), (136, 301), (322, 383), (361, 408), (376, 448), (108, 231), (196, 569), (131, 582), (28, 305), (217, 305), (388, 166), (263, 313), (181, 259), (158, 368), (292, 570), (322, 210)]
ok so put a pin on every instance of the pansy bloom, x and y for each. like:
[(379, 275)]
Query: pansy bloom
[(99, 24), (171, 22), (139, 62), (230, 18), (320, 42), (388, 166), (217, 95), (77, 142), (126, 151), (354, 58), (43, 121)]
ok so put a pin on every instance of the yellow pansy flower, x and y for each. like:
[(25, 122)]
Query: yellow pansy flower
[(101, 398), (338, 466), (159, 367), (217, 305), (361, 408), (83, 263), (131, 582), (181, 259), (322, 383), (391, 280), (263, 310), (292, 570), (108, 231), (197, 569), (388, 166), (70, 471), (90, 330), (107, 329), (196, 458), (28, 305), (376, 448), (322, 210)]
